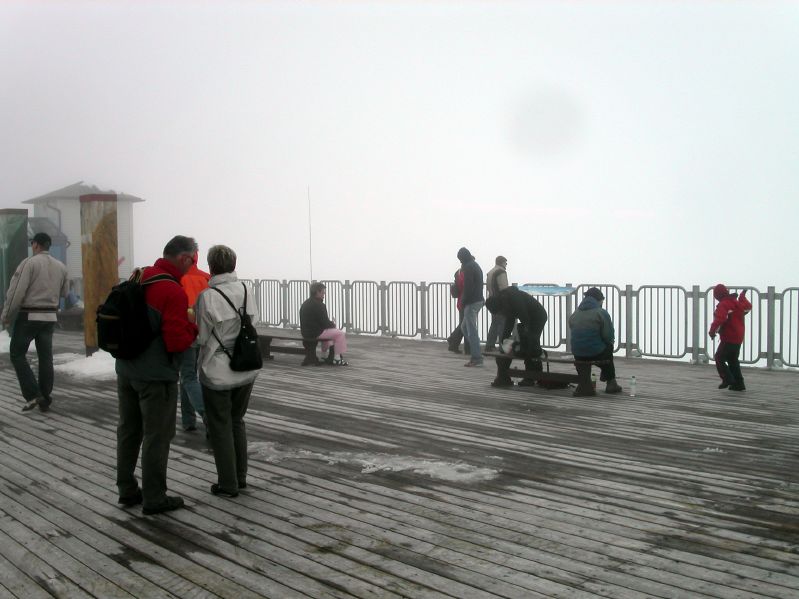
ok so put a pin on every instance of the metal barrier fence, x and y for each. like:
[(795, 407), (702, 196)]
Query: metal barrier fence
[(661, 321)]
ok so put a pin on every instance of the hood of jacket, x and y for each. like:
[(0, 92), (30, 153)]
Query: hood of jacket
[(465, 256), (589, 303)]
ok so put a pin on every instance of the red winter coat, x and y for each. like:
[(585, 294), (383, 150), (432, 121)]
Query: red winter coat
[(728, 319)]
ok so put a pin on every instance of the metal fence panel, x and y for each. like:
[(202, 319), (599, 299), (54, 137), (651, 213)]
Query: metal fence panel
[(270, 302), (788, 327), (662, 321), (402, 318), (365, 307)]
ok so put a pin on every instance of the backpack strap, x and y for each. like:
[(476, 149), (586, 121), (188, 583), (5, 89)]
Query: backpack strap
[(161, 277), (236, 310)]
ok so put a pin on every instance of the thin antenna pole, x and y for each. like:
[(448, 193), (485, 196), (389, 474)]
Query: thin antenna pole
[(310, 235)]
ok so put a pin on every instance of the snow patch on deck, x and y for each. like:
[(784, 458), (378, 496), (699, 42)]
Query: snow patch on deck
[(381, 462)]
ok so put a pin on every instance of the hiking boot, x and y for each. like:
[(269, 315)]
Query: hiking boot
[(502, 382), (44, 404), (130, 500), (737, 387), (169, 504), (612, 387), (217, 490)]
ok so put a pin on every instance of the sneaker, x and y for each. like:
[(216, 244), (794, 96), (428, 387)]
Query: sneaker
[(169, 504), (130, 500), (30, 405), (737, 387), (44, 404), (216, 490), (471, 363), (502, 382)]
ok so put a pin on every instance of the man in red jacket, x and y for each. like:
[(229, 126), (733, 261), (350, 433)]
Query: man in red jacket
[(147, 386), (728, 321)]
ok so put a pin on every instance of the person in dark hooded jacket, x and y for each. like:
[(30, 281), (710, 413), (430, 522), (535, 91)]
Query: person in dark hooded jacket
[(472, 304), (513, 305), (592, 337), (728, 321)]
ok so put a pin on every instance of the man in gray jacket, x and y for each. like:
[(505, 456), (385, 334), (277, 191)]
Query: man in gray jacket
[(496, 281), (31, 305)]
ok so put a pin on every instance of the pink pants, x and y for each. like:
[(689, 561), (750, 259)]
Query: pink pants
[(335, 337)]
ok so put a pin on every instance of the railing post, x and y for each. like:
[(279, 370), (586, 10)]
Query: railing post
[(347, 305), (569, 311), (284, 303), (695, 324), (423, 330), (628, 320), (771, 319), (383, 293), (256, 291)]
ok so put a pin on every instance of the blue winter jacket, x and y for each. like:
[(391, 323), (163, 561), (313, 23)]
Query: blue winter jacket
[(591, 329)]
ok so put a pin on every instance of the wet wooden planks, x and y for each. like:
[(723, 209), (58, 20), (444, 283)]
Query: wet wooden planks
[(682, 491)]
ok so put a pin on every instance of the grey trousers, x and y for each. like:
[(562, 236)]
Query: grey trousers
[(147, 414), (225, 410)]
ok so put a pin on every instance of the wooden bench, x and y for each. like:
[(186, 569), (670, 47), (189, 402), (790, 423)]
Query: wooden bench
[(308, 349), (582, 378)]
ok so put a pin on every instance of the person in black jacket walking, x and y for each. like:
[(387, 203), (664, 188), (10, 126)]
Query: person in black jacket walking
[(472, 304), (515, 305)]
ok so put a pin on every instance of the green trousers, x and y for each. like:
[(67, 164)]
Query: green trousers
[(224, 411), (147, 423)]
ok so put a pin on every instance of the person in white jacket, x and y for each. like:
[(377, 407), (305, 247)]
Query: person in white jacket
[(226, 393)]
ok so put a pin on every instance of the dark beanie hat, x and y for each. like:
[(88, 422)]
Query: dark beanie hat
[(596, 294), (464, 255), (720, 291)]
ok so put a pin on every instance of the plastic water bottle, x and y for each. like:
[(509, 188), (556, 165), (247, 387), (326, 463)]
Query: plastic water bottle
[(632, 386)]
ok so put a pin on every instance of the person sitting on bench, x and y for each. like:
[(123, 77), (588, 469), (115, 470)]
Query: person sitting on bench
[(515, 305), (315, 324), (592, 338)]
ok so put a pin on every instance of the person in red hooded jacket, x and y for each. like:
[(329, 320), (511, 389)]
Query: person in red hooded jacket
[(728, 322), (147, 386)]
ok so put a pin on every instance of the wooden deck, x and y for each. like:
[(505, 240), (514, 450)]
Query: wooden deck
[(684, 491)]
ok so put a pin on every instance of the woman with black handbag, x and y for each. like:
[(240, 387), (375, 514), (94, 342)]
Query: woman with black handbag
[(221, 312)]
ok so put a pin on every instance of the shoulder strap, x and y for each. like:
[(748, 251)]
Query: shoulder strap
[(227, 299), (161, 277)]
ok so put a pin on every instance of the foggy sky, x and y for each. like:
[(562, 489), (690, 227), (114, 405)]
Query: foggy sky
[(620, 142)]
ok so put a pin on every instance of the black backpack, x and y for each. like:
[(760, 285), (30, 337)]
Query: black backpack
[(123, 323), (246, 351)]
